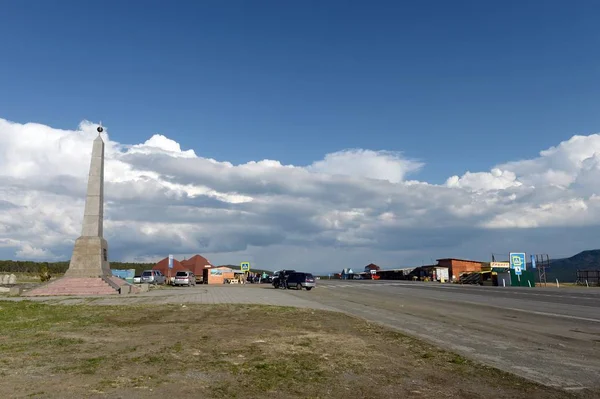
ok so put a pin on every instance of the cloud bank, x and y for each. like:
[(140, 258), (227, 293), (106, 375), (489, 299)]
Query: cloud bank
[(351, 207)]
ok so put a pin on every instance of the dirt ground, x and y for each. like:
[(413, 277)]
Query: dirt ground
[(229, 351)]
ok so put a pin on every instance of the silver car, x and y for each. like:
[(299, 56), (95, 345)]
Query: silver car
[(185, 278), (153, 277)]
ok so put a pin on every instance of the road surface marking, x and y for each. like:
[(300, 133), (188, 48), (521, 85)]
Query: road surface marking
[(565, 316), (457, 287)]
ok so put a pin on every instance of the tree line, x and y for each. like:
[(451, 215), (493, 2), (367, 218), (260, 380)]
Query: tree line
[(27, 266)]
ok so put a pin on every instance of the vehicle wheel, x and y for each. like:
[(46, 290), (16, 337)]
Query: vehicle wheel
[(308, 288), (299, 287)]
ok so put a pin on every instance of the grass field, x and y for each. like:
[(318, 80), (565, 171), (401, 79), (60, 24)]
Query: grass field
[(228, 351)]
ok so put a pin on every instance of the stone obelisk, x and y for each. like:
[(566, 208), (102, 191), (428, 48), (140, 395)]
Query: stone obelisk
[(89, 271), (90, 253)]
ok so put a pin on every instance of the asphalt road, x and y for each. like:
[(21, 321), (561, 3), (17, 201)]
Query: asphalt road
[(548, 335)]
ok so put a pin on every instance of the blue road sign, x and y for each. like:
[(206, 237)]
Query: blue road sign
[(518, 259), (245, 266), (170, 261), (518, 270), (533, 261)]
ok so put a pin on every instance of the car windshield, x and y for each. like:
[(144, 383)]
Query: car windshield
[(181, 274), (308, 275), (147, 274)]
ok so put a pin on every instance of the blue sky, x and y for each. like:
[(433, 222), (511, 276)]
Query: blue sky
[(459, 85)]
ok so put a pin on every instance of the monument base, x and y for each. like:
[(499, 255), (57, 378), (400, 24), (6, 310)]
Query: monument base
[(90, 258), (82, 286), (88, 274)]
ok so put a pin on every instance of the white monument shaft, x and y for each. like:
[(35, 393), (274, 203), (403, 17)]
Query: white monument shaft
[(94, 201), (90, 253)]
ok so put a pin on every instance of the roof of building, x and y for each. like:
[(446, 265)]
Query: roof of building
[(196, 264), (397, 270), (372, 266), (163, 266), (462, 260), (433, 266)]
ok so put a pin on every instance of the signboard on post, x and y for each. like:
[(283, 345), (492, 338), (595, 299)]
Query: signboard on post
[(170, 261), (518, 259), (245, 266), (518, 270)]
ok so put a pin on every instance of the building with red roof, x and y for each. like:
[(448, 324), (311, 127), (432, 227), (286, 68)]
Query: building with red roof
[(163, 266), (457, 267), (196, 264), (371, 266)]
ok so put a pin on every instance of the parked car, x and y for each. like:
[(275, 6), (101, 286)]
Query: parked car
[(153, 277), (185, 278), (137, 279), (301, 280)]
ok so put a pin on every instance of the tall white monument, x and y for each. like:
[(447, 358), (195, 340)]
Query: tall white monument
[(89, 271), (90, 253)]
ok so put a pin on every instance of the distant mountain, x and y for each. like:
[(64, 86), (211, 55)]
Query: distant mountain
[(566, 269)]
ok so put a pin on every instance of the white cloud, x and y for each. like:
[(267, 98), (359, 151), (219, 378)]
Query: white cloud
[(352, 204), (382, 165), (160, 143), (559, 165), (568, 212), (28, 252), (483, 181)]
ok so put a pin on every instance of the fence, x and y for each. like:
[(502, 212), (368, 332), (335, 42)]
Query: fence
[(588, 277)]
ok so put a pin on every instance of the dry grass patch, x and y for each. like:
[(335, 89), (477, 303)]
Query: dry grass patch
[(229, 351)]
